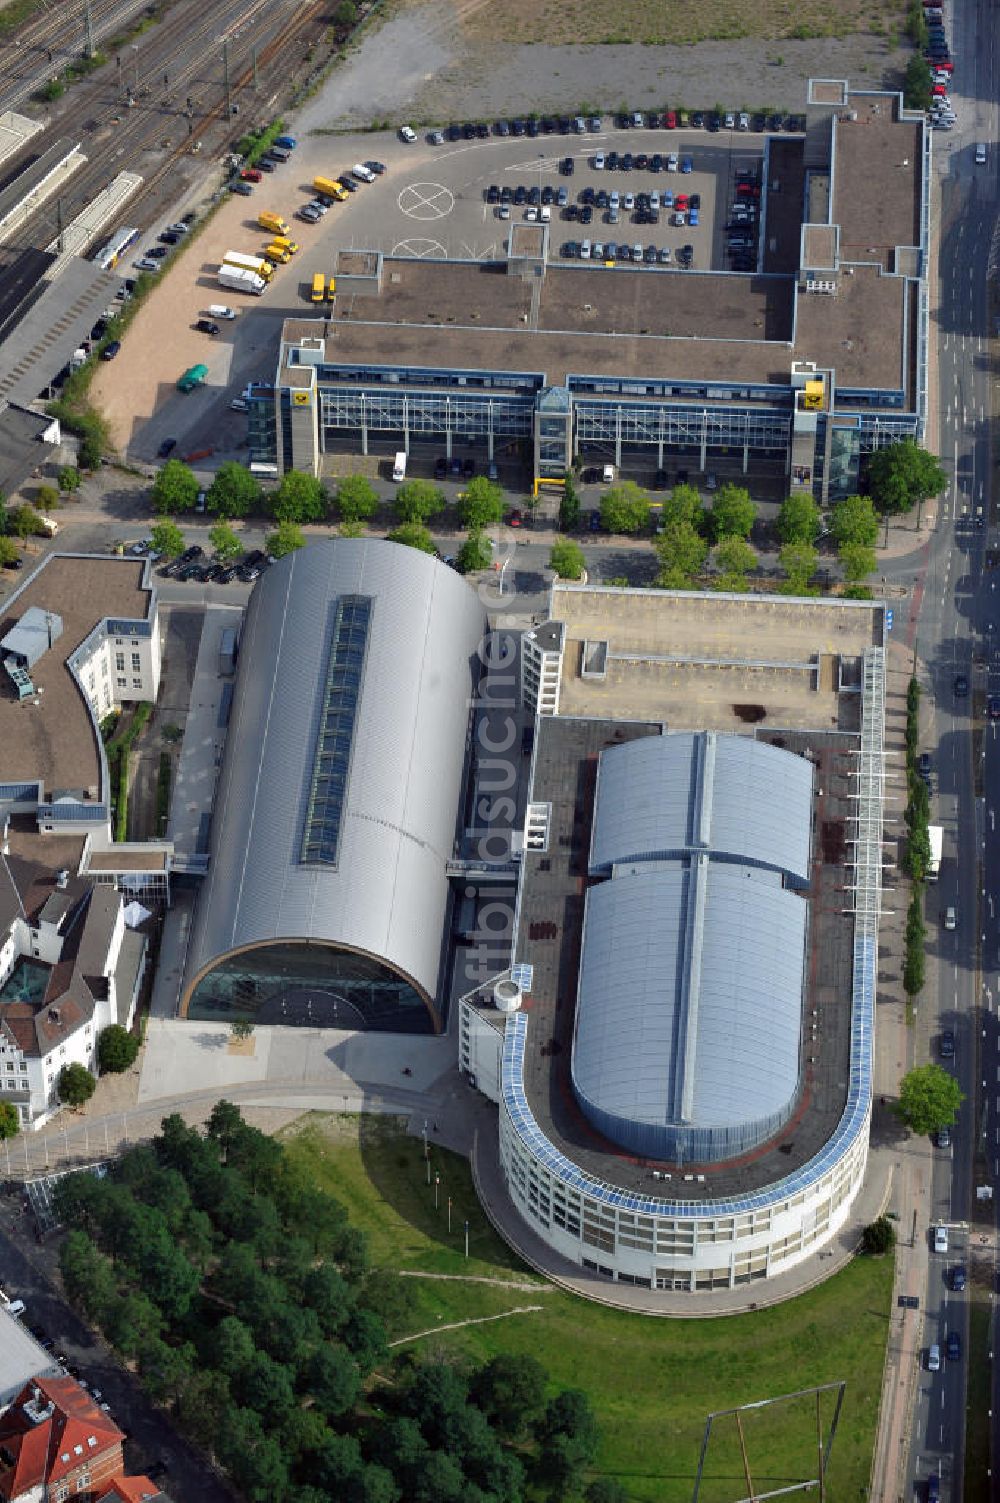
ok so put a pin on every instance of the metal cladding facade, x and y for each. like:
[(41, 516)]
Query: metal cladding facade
[(741, 799), (689, 1005), (385, 894), (689, 1010)]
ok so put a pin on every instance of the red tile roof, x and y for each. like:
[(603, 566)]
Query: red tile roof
[(52, 1428), (128, 1490)]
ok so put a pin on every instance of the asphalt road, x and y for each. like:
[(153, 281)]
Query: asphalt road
[(152, 1444), (959, 608)]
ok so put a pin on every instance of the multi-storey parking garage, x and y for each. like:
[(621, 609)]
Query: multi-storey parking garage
[(684, 1096), (797, 369)]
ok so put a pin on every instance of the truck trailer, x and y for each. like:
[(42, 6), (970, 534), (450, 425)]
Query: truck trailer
[(236, 279), (935, 835)]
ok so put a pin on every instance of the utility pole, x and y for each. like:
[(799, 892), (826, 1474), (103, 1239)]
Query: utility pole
[(225, 74), (59, 223), (89, 22)]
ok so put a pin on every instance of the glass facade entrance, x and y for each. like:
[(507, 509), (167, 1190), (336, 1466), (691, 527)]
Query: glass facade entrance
[(309, 986)]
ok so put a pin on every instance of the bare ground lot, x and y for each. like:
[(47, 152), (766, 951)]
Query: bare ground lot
[(438, 60)]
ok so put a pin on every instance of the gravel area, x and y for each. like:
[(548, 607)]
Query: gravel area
[(422, 66)]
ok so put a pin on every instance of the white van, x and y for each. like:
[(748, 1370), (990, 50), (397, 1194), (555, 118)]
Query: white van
[(363, 173), (399, 467), (608, 474), (981, 155), (16, 1307), (950, 919), (219, 310), (50, 524)]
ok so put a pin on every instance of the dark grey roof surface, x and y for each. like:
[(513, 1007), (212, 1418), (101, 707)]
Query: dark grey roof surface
[(387, 895), (21, 446), (739, 798)]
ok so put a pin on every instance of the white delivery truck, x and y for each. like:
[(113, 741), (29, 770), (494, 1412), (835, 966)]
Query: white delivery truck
[(935, 835), (235, 279), (399, 467)]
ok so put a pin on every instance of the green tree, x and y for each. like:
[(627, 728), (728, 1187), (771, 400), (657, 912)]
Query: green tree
[(413, 535), (625, 508), (345, 13), (878, 1237), (165, 1369), (132, 1322), (351, 530), (510, 1390), (799, 561), (175, 488), (566, 558), (684, 504), (24, 521), (88, 1278), (480, 504), (735, 559), (853, 520), (917, 83), (913, 970), (798, 519), (75, 1085), (416, 500), (682, 552), (201, 1405), (332, 1378), (230, 1347), (224, 541), (10, 1122), (234, 492), (475, 553), (929, 1098), (287, 537), (167, 539), (47, 497), (241, 1028), (357, 499), (902, 474), (116, 1049), (299, 498), (569, 507), (69, 478), (568, 1438), (733, 513), (605, 1490), (8, 551), (857, 561)]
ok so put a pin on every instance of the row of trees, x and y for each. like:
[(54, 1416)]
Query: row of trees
[(244, 1296)]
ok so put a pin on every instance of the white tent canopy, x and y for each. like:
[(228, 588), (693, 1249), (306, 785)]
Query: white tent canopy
[(135, 914)]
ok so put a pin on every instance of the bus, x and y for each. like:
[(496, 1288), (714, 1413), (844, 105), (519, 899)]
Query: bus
[(319, 287), (108, 256)]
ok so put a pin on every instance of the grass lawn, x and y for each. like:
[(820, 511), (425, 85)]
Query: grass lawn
[(652, 1382), (659, 22)]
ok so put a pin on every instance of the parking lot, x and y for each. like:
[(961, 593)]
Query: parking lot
[(431, 202)]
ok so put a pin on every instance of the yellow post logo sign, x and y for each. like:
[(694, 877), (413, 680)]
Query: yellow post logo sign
[(300, 399), (813, 401)]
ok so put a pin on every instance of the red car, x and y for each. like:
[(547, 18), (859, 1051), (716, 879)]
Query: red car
[(514, 520), (670, 120), (251, 175), (938, 90), (681, 202)]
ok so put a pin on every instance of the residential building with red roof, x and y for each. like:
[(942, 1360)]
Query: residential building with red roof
[(56, 1444)]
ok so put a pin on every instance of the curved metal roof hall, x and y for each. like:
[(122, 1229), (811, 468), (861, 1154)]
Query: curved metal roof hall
[(365, 653)]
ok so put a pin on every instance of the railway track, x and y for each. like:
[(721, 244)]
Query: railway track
[(114, 137)]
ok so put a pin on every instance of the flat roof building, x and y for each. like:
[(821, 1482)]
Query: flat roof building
[(797, 369), (684, 1099)]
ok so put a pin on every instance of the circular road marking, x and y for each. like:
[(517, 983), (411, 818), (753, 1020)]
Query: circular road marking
[(421, 249), (426, 201)]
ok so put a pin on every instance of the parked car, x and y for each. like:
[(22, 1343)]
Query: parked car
[(166, 447), (243, 189), (111, 350), (252, 175), (947, 1044), (958, 1277), (407, 134)]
